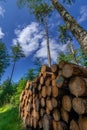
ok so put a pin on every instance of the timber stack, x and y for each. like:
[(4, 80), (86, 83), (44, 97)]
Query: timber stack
[(56, 99)]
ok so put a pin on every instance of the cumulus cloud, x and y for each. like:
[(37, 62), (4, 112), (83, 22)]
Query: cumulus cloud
[(2, 11), (31, 38), (1, 33), (55, 49), (83, 14)]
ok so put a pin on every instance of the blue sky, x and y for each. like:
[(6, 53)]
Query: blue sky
[(18, 25)]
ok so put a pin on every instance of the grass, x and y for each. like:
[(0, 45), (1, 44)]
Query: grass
[(9, 119)]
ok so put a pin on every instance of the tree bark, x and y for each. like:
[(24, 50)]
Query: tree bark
[(71, 24), (12, 73), (47, 38)]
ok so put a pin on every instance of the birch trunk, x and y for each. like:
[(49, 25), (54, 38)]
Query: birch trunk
[(79, 32)]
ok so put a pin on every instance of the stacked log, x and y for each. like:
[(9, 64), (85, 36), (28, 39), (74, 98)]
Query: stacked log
[(56, 99)]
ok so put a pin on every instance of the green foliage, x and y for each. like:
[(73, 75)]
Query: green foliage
[(4, 61), (9, 114), (65, 57), (6, 91), (17, 52), (20, 86), (64, 34), (9, 119), (30, 75), (42, 10), (38, 64), (82, 57)]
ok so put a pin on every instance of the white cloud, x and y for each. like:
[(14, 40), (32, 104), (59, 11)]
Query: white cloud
[(29, 37), (32, 40), (55, 49), (83, 14), (2, 11), (1, 33)]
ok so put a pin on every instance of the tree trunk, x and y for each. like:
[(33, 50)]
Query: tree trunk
[(47, 38), (12, 72), (77, 86), (83, 123), (71, 24), (80, 105), (74, 125)]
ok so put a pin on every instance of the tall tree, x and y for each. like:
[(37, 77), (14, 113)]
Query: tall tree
[(30, 75), (66, 38), (6, 92), (79, 32), (71, 24), (4, 60), (17, 53), (41, 10)]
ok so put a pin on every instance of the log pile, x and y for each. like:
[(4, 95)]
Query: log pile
[(56, 99)]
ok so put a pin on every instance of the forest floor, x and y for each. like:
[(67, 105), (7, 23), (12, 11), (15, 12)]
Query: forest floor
[(9, 118)]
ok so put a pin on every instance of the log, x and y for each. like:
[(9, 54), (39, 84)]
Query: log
[(54, 125), (47, 111), (47, 74), (28, 95), (46, 122), (77, 86), (56, 114), (67, 103), (37, 105), (83, 123), (48, 81), (70, 69), (37, 79), (22, 104), (54, 102), (40, 124), (54, 82), (49, 104), (27, 85), (64, 115), (48, 90), (22, 94), (58, 125), (59, 81), (61, 64), (45, 68), (35, 122), (79, 105), (54, 91), (74, 125), (54, 68), (35, 114), (39, 87), (42, 80), (43, 92), (43, 102), (53, 76), (40, 96), (61, 125), (42, 112)]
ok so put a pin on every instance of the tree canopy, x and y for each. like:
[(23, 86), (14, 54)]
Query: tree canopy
[(4, 60)]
